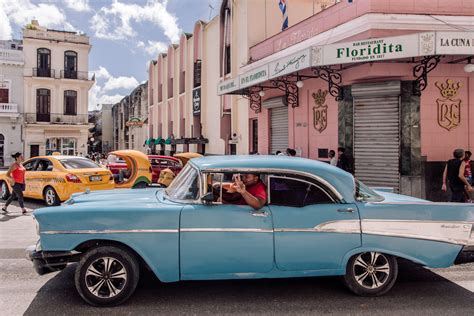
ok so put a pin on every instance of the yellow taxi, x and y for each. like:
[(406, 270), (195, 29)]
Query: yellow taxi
[(54, 178)]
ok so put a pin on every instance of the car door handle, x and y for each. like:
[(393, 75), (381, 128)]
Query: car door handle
[(259, 214), (346, 210)]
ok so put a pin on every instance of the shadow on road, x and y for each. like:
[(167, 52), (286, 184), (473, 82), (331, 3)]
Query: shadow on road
[(418, 290)]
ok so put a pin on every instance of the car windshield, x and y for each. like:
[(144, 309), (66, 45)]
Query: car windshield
[(366, 194), (78, 163), (185, 186)]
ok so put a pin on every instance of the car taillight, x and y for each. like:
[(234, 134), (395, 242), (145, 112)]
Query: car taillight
[(73, 178)]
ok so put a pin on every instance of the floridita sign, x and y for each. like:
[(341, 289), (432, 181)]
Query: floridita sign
[(376, 49), (135, 122)]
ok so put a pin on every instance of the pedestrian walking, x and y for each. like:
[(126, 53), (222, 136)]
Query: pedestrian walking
[(343, 161), (332, 157), (16, 177), (468, 173), (454, 173)]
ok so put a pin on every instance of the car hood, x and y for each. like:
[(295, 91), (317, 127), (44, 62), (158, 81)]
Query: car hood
[(393, 197), (116, 196)]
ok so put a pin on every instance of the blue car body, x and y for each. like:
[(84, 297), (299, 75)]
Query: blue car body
[(189, 239)]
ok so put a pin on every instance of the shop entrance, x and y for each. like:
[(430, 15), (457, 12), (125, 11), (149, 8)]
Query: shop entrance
[(278, 124), (377, 134)]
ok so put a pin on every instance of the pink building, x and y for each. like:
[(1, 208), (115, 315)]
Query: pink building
[(389, 80)]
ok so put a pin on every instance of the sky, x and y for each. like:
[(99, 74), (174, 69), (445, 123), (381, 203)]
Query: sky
[(125, 34)]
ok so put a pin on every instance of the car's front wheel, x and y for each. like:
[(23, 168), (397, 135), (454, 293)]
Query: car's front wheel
[(371, 273), (5, 191), (51, 198), (107, 276)]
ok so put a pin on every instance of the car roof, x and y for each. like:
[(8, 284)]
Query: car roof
[(162, 157), (341, 180), (58, 157)]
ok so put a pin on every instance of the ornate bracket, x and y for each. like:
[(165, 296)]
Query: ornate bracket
[(333, 78), (288, 86), (420, 71), (255, 99)]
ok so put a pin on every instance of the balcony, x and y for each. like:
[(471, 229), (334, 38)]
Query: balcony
[(79, 75), (56, 118), (8, 108), (11, 56), (43, 72)]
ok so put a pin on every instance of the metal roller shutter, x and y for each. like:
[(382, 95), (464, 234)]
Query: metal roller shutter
[(278, 128), (377, 134)]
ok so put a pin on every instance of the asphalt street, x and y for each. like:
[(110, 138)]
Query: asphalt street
[(418, 291)]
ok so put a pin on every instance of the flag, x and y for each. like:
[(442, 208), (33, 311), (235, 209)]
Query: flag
[(282, 5)]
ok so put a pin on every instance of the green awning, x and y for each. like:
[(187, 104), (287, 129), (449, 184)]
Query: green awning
[(168, 141), (158, 140), (147, 142)]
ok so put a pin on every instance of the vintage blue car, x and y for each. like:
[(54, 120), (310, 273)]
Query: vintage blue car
[(317, 221)]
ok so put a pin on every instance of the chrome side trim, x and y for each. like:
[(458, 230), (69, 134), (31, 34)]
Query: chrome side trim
[(109, 231), (295, 230), (351, 226), (443, 231), (226, 230)]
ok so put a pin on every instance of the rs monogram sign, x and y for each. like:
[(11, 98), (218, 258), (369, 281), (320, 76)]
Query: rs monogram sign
[(449, 108), (320, 111)]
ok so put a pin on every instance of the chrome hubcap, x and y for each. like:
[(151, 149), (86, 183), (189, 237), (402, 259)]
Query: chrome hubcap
[(371, 270), (50, 197), (106, 277), (4, 189)]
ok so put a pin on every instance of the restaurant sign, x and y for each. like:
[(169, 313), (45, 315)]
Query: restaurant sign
[(367, 50), (455, 43), (250, 78), (228, 86), (135, 122), (290, 64)]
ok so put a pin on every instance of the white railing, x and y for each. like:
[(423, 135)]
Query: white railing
[(11, 55), (9, 107)]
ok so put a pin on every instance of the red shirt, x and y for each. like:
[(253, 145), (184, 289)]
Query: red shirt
[(258, 190), (19, 174)]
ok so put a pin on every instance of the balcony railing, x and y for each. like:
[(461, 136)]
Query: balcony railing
[(56, 118), (80, 75), (8, 108), (43, 72)]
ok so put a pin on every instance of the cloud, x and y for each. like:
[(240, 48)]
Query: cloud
[(153, 48), (114, 22), (5, 27), (78, 5), (20, 12), (106, 83)]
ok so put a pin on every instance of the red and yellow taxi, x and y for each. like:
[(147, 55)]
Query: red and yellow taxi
[(54, 178)]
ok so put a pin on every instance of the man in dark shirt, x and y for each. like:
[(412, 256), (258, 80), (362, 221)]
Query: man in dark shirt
[(454, 173), (343, 160)]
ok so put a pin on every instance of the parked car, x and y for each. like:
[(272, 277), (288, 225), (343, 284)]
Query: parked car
[(54, 178), (318, 221), (130, 169)]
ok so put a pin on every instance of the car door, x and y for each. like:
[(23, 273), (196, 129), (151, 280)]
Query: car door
[(225, 240), (313, 231), (30, 166), (43, 175)]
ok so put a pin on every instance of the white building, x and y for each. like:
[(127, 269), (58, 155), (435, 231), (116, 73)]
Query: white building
[(56, 88), (11, 99)]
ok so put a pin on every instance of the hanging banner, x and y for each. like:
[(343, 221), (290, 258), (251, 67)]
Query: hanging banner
[(197, 101)]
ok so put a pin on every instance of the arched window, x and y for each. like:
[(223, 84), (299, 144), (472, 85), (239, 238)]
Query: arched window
[(43, 105), (43, 62), (70, 64), (70, 102)]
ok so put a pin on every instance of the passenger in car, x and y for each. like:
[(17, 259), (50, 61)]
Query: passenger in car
[(252, 190)]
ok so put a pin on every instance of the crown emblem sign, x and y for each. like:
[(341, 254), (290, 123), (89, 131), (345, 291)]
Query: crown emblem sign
[(320, 97), (449, 89)]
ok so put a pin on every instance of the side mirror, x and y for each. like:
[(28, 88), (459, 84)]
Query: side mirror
[(208, 198)]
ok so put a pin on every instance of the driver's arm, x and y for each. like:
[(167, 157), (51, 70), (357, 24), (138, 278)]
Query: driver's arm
[(255, 202)]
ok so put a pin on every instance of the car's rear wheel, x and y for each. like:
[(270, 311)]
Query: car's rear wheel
[(371, 273), (51, 198), (5, 191), (107, 276)]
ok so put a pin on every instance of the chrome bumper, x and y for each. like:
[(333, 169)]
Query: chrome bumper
[(49, 261)]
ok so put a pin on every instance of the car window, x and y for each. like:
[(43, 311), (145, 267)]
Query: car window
[(185, 186), (44, 165), (296, 193), (30, 165), (78, 163), (165, 163)]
